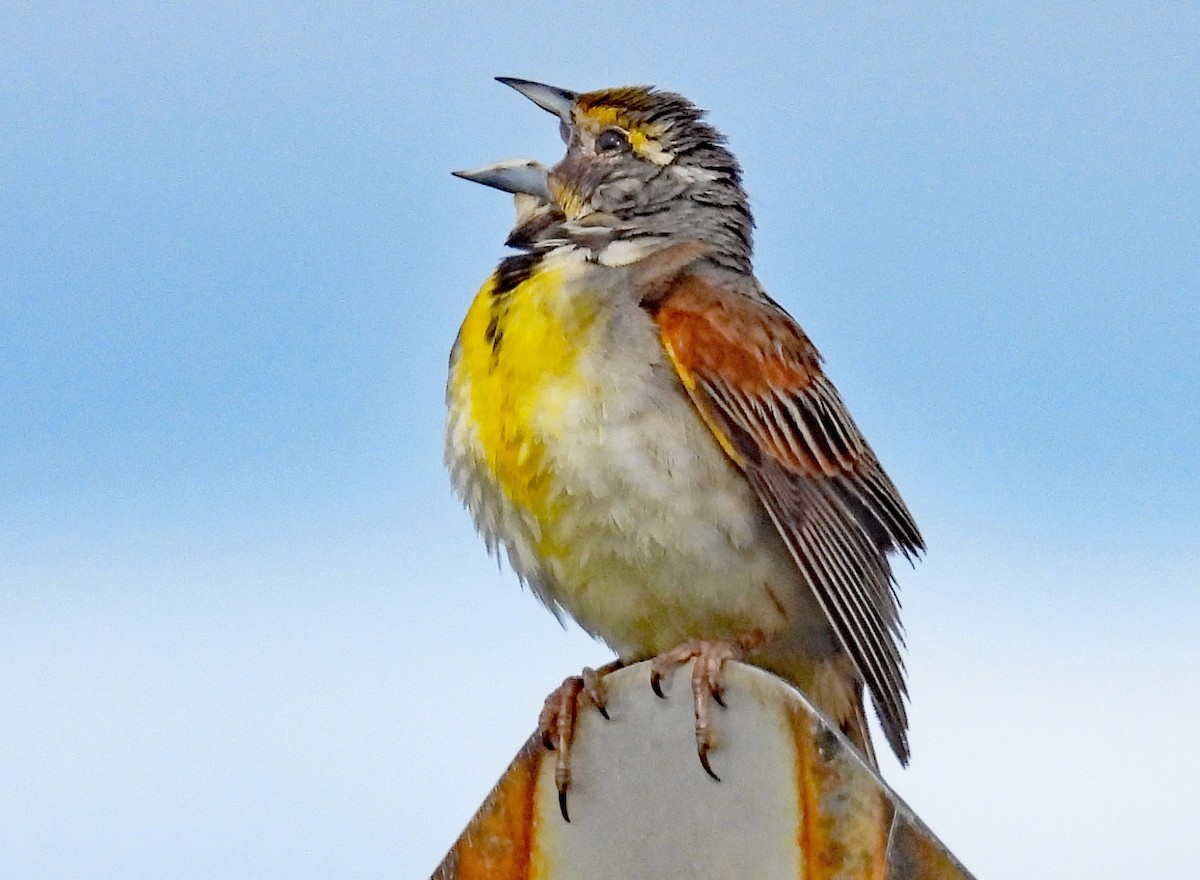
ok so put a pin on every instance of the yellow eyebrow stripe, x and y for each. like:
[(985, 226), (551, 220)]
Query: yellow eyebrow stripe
[(642, 138)]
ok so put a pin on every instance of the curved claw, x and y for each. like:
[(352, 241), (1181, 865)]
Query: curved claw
[(656, 684), (593, 686), (556, 723), (710, 657), (703, 751)]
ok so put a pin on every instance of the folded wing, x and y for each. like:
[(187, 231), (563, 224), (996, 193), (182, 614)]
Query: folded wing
[(758, 384)]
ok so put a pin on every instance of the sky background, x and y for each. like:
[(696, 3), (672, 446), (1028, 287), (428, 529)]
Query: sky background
[(246, 630)]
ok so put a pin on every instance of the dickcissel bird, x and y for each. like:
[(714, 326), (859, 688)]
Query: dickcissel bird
[(651, 438)]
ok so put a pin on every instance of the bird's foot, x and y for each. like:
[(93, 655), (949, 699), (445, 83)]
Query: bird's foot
[(556, 723), (710, 656)]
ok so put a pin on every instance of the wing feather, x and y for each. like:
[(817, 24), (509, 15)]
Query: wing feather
[(758, 384), (816, 546)]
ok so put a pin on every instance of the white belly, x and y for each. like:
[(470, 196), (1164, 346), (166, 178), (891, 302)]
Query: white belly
[(659, 537)]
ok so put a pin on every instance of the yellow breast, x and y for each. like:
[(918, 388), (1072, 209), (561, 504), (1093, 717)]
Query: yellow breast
[(517, 371)]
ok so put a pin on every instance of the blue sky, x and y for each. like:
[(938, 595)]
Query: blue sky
[(245, 629)]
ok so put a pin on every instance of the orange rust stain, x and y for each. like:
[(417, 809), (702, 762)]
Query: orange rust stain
[(844, 817), (809, 833), (497, 844)]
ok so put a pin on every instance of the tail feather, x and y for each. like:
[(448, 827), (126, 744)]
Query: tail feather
[(854, 725)]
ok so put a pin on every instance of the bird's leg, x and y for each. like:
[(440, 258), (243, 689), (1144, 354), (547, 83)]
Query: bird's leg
[(710, 656), (556, 723)]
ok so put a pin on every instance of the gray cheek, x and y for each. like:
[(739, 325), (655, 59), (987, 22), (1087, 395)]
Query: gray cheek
[(659, 186), (617, 194)]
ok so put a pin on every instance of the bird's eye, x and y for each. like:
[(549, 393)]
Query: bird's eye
[(612, 140), (564, 132)]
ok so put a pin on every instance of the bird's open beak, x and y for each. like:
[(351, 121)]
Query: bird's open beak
[(552, 99), (512, 176)]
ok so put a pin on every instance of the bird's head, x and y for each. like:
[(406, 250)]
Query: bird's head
[(642, 164)]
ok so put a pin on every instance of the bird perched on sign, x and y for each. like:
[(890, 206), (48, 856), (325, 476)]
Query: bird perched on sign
[(651, 438)]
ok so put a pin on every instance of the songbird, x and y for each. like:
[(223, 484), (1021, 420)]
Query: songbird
[(651, 438)]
